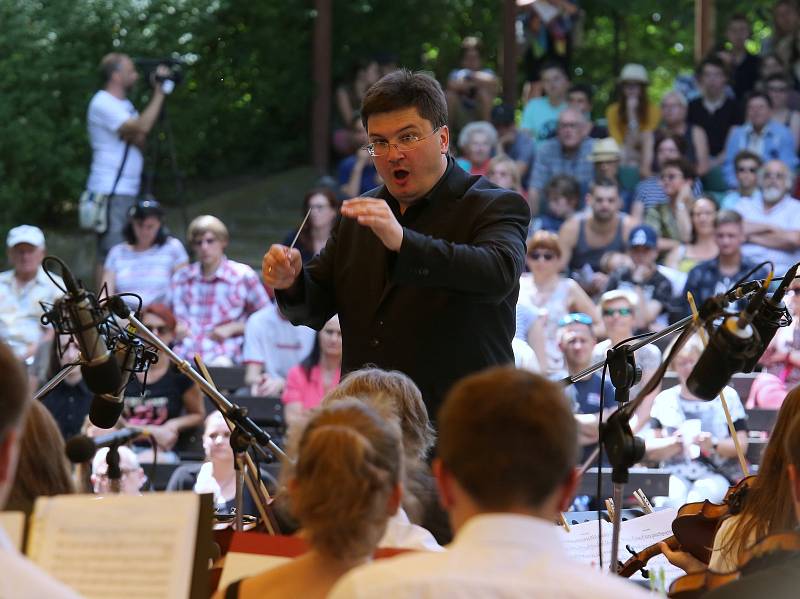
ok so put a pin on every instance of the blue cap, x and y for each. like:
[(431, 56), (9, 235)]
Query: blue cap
[(643, 235)]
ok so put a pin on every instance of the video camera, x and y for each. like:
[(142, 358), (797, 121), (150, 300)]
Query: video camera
[(148, 67)]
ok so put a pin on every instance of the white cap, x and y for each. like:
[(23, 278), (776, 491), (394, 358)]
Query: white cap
[(25, 234)]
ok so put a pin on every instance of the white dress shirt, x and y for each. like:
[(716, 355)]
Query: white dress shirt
[(401, 533), (20, 578), (493, 555)]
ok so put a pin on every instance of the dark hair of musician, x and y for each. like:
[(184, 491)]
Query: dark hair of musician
[(508, 437), (403, 89), (13, 392)]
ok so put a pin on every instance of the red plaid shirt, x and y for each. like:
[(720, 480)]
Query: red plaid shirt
[(231, 294)]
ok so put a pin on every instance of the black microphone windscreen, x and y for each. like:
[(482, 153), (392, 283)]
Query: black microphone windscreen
[(104, 377), (80, 448), (724, 356), (104, 413)]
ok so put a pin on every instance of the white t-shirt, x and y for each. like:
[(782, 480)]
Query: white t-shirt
[(784, 214), (105, 116), (147, 273), (274, 342)]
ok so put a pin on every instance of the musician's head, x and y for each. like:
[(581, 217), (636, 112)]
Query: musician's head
[(345, 483), (13, 406), (507, 443)]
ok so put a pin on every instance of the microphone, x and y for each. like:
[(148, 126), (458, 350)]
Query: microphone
[(81, 448), (733, 343), (106, 408), (773, 315), (84, 319)]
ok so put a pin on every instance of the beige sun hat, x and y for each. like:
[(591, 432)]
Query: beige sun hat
[(605, 150), (634, 72)]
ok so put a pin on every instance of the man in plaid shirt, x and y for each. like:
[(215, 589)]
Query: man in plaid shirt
[(213, 297)]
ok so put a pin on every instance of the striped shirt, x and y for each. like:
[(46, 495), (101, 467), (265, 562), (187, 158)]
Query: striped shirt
[(146, 273), (650, 192)]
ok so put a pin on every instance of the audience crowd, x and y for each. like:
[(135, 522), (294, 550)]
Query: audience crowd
[(663, 197)]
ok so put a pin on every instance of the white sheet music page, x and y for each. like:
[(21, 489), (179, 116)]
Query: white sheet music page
[(120, 546), (14, 525), (580, 543)]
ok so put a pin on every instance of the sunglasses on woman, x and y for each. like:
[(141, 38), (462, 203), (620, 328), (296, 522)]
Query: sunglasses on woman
[(620, 311), (542, 256)]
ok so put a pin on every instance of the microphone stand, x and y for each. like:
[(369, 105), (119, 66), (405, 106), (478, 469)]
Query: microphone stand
[(114, 473), (54, 382), (246, 432)]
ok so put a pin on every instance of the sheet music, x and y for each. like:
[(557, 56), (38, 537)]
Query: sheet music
[(581, 542), (120, 546), (13, 523), (240, 565)]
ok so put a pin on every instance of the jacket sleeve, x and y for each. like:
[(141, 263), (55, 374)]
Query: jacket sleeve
[(486, 268)]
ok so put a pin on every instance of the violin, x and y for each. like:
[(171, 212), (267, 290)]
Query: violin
[(693, 529), (695, 585)]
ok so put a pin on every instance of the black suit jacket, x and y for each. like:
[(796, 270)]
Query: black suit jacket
[(440, 308)]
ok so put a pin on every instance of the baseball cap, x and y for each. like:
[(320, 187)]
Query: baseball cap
[(643, 235), (615, 294), (25, 234)]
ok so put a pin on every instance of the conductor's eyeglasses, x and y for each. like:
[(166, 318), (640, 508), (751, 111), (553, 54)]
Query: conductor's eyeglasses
[(405, 144)]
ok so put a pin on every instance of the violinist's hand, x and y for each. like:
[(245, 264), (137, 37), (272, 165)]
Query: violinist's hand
[(683, 560)]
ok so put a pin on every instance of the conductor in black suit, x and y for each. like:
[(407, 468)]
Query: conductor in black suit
[(424, 273)]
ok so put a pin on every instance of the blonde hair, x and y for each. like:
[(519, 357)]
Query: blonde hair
[(501, 159), (207, 224), (348, 465)]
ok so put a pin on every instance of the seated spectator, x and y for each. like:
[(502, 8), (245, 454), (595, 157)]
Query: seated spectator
[(771, 227), (576, 340), (470, 89), (781, 360), (145, 262), (579, 97), (777, 88), (23, 578), (213, 297), (606, 156), (618, 311), (632, 118), (503, 173), (650, 192), (702, 244), (347, 447), (525, 357), (217, 474), (719, 274), (563, 194), (586, 237), (674, 114), (21, 290), (714, 111), (545, 297), (314, 235), (162, 400), (761, 135), (747, 166), (512, 142), (307, 383), (272, 346), (739, 62), (396, 398), (772, 64), (653, 290), (69, 402), (672, 220), (356, 173), (697, 450), (476, 141), (132, 475), (567, 154), (348, 100), (540, 115), (43, 469), (502, 509)]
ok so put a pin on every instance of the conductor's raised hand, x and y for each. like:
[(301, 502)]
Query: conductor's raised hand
[(375, 214), (281, 266)]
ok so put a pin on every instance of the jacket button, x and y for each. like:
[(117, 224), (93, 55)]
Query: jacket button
[(374, 343)]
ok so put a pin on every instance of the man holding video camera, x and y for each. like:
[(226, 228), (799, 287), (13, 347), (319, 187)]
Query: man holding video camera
[(117, 133)]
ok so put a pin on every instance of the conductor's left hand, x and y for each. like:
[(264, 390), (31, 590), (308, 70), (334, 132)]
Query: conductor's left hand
[(376, 215)]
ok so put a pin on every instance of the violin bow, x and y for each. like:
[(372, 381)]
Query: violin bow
[(731, 429)]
